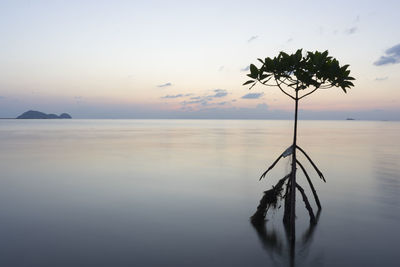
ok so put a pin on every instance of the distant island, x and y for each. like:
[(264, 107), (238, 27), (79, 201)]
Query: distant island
[(32, 114)]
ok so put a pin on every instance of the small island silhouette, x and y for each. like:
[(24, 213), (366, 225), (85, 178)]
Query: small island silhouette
[(32, 114)]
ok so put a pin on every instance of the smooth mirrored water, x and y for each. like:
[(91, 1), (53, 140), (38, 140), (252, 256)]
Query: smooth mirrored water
[(180, 193)]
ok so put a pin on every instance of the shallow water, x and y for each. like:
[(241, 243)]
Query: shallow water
[(180, 192)]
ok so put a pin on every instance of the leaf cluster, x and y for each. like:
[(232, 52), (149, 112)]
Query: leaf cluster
[(316, 69)]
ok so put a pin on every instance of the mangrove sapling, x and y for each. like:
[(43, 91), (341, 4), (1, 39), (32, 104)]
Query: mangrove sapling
[(297, 76)]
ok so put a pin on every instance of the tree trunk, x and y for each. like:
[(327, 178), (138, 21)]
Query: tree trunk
[(290, 203)]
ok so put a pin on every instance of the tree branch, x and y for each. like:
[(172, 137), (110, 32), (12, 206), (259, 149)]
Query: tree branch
[(283, 90), (271, 85), (309, 93), (326, 86), (289, 79)]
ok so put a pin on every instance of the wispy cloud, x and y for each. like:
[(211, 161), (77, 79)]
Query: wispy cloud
[(175, 96), (262, 106), (172, 96), (207, 100), (219, 93), (201, 101), (247, 68), (381, 78), (165, 85), (252, 38), (351, 30), (392, 56), (79, 99), (253, 95)]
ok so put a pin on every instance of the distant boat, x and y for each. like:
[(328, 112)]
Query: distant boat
[(350, 119)]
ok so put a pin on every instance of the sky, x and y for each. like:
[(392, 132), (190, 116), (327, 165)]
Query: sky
[(189, 59)]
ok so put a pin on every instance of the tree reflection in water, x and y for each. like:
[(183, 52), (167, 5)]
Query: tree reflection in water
[(279, 246)]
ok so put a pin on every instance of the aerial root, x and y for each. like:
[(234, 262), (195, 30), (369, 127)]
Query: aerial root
[(270, 167), (285, 153), (307, 204), (311, 184), (312, 163), (270, 199)]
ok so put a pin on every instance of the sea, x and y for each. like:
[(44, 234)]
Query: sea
[(181, 192)]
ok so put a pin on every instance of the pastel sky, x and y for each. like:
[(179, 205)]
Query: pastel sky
[(188, 59)]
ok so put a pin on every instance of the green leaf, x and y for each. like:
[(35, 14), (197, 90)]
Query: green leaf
[(263, 76), (269, 64), (298, 55), (267, 80), (250, 81), (343, 68), (253, 69)]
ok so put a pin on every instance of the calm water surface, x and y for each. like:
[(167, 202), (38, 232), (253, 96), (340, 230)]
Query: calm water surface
[(180, 192)]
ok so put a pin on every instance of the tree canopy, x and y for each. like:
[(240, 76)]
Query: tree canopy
[(303, 73), (314, 70)]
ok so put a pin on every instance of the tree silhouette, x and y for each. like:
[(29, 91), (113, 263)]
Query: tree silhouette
[(303, 74)]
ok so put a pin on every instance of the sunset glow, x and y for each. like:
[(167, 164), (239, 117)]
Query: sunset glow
[(117, 57)]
